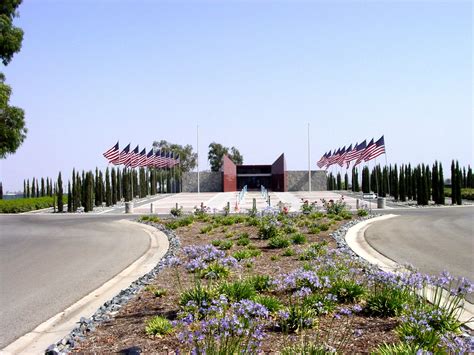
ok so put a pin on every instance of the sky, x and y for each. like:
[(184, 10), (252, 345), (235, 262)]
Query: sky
[(251, 74)]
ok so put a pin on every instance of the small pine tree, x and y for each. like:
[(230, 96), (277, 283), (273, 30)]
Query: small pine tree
[(60, 193), (441, 185), (42, 188), (108, 190), (69, 197), (402, 185), (458, 184)]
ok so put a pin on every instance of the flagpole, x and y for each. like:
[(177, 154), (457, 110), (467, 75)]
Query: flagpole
[(309, 162), (197, 160)]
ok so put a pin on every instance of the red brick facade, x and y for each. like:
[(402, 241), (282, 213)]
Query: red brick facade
[(229, 175)]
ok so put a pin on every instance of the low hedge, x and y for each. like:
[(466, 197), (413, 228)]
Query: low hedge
[(28, 204), (466, 194)]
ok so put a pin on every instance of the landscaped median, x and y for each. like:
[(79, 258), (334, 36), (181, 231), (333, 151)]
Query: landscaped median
[(20, 205), (279, 283)]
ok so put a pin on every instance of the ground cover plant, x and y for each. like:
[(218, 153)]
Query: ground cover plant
[(20, 205), (261, 295)]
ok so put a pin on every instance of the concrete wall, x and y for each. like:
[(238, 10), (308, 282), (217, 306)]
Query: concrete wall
[(229, 177), (298, 180), (209, 181)]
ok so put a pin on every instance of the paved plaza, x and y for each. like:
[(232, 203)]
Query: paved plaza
[(217, 201)]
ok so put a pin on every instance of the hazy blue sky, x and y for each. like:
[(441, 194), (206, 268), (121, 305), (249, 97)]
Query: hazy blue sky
[(252, 74)]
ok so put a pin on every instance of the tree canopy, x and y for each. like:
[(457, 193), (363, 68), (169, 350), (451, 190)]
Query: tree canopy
[(217, 152), (12, 119), (186, 155)]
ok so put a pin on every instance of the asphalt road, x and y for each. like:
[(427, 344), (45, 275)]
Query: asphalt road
[(48, 262), (432, 240)]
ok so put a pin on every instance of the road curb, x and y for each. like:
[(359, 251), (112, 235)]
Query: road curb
[(60, 325), (355, 239)]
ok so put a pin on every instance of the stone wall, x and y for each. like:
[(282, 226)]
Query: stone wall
[(209, 181), (298, 180)]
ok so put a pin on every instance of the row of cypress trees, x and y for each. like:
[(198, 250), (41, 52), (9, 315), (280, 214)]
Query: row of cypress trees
[(90, 189), (421, 183)]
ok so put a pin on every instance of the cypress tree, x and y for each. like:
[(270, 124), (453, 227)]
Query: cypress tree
[(33, 188), (408, 182), (24, 188), (48, 187), (73, 192), (395, 185), (42, 187), (373, 180), (357, 185), (414, 183), (69, 197), (346, 182), (60, 193), (114, 187), (464, 177), (78, 193), (384, 184), (28, 188), (353, 180), (441, 185), (469, 177), (108, 190), (428, 183), (142, 183), (365, 180), (402, 185), (458, 184), (434, 183), (119, 185), (97, 188), (339, 182), (454, 181), (1, 191)]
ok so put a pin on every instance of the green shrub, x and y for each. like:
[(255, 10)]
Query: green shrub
[(172, 224), (158, 326), (324, 226), (402, 348), (252, 221), (296, 317), (305, 348), (275, 257), (243, 241), (206, 229), (21, 205), (268, 230), (362, 212), (199, 294), (237, 290), (215, 271), (228, 220), (216, 242), (226, 244), (288, 252), (316, 215), (314, 230), (158, 292), (271, 303), (229, 235), (246, 254), (290, 228), (260, 282), (315, 250), (347, 291), (298, 238), (176, 211), (320, 303), (278, 242), (387, 300)]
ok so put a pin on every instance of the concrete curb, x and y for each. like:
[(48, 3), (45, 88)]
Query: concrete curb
[(60, 325), (355, 239)]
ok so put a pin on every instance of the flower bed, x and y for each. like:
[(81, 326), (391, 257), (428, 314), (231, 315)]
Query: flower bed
[(279, 284)]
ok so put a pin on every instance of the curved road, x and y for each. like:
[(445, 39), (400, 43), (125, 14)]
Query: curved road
[(48, 262), (432, 240)]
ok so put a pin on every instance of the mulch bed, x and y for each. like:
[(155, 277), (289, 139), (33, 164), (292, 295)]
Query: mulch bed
[(125, 332)]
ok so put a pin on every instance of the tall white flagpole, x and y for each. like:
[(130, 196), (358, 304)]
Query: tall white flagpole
[(197, 151), (309, 163)]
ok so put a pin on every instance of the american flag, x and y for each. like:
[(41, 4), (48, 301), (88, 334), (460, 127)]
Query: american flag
[(379, 149), (333, 158), (366, 152), (131, 157), (321, 162), (122, 156), (112, 153), (355, 153), (149, 158), (340, 160), (160, 162), (139, 159)]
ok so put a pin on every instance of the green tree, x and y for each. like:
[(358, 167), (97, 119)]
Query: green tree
[(1, 191), (395, 185), (24, 188), (28, 188), (108, 190), (339, 182), (346, 182), (365, 180), (454, 181), (42, 192), (114, 186), (458, 184), (217, 152), (441, 185), (33, 187), (78, 193), (434, 183), (402, 185), (187, 157), (69, 197), (60, 193), (11, 36), (408, 183)]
